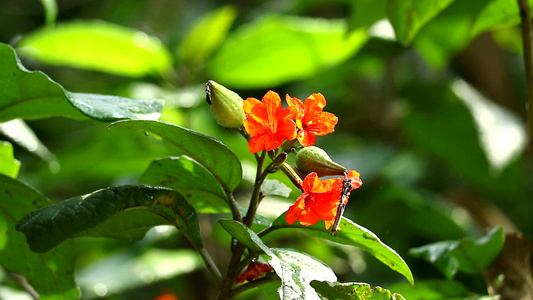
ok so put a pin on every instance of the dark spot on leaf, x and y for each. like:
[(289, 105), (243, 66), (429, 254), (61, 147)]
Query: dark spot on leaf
[(188, 195), (159, 164), (14, 74), (8, 193)]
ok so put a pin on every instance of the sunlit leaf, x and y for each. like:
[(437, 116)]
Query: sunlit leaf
[(33, 95), (49, 226), (408, 16), (278, 49), (295, 269), (8, 164), (51, 274), (211, 153), (206, 34), (467, 255), (97, 45), (354, 235), (353, 290), (190, 179), (20, 133)]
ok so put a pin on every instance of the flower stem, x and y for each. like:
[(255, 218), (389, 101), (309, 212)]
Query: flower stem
[(527, 42)]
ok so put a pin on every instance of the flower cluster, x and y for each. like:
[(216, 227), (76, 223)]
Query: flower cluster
[(254, 270), (269, 124), (320, 199)]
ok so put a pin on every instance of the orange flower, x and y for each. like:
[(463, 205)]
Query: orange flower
[(310, 119), (166, 296), (319, 200), (254, 270), (268, 123)]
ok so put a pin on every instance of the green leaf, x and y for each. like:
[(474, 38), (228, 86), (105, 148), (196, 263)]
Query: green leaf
[(408, 16), (459, 23), (8, 164), (47, 227), (278, 49), (206, 34), (467, 255), (97, 45), (33, 95), (211, 153), (272, 187), (296, 270), (50, 274), (353, 290), (354, 235), (366, 12), (190, 179)]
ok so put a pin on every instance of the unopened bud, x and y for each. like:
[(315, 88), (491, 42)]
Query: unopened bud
[(226, 105), (313, 159)]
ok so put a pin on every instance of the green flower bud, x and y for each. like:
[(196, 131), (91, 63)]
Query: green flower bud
[(313, 159), (226, 105)]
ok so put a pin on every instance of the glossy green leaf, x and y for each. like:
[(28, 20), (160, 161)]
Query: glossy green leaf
[(49, 226), (278, 49), (51, 274), (33, 95), (190, 179), (295, 269), (97, 45), (272, 187), (209, 152), (467, 255), (206, 34), (408, 16), (353, 290), (8, 164), (354, 235)]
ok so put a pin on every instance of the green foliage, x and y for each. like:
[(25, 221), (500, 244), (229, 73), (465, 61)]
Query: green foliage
[(51, 274), (467, 255), (277, 49), (354, 235), (191, 179), (8, 164), (353, 290), (33, 95), (97, 45), (211, 153), (437, 289), (408, 16), (47, 227), (206, 34), (295, 269)]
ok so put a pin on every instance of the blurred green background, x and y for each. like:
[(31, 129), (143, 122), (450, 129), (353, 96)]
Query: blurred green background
[(434, 120)]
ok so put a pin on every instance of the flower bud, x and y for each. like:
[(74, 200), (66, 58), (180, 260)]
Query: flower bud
[(313, 159), (226, 105)]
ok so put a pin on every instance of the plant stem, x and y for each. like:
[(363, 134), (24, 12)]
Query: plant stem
[(254, 200), (211, 267), (232, 205), (527, 42)]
